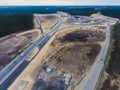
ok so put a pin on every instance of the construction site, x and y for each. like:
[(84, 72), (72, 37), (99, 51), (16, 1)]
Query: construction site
[(67, 58), (70, 56)]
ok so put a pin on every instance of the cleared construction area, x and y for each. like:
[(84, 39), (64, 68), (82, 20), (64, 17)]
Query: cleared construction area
[(46, 20), (12, 45), (70, 56)]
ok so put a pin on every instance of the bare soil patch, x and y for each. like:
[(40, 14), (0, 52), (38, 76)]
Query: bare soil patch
[(14, 45), (67, 61), (48, 21)]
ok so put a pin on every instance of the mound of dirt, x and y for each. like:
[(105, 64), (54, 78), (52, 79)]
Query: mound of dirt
[(75, 59), (84, 36)]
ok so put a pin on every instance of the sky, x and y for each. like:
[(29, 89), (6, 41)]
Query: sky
[(59, 2)]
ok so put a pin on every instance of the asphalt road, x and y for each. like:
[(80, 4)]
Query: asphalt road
[(10, 69), (39, 23), (90, 80)]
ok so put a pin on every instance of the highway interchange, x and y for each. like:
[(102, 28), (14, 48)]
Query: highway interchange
[(90, 80)]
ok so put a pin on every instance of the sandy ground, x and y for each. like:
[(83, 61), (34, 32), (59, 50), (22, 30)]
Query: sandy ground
[(47, 21), (111, 20), (31, 31), (12, 45)]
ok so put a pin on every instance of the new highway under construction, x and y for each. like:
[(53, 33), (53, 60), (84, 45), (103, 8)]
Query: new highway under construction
[(70, 55)]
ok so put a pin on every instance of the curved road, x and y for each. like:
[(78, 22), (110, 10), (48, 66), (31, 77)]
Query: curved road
[(90, 80)]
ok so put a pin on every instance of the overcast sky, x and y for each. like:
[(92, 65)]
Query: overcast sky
[(59, 2)]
